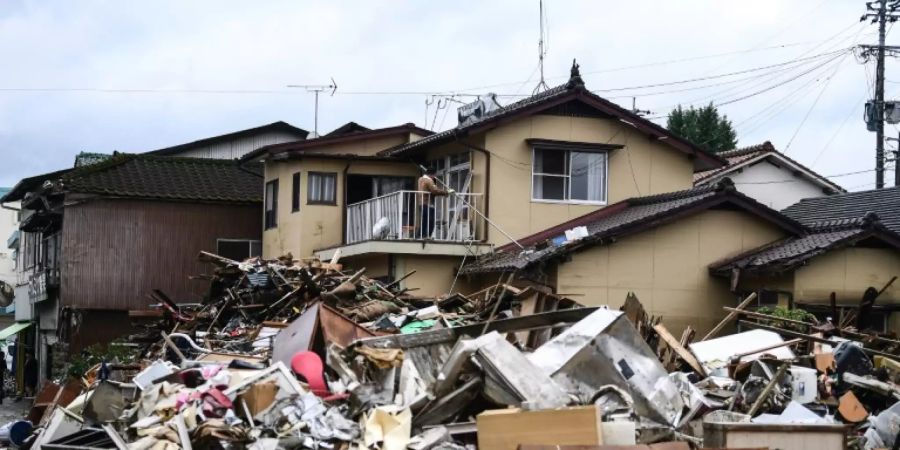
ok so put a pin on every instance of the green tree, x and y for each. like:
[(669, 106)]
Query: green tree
[(704, 127)]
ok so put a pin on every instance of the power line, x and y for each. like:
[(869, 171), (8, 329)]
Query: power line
[(814, 103), (722, 75), (842, 43), (775, 108), (838, 130)]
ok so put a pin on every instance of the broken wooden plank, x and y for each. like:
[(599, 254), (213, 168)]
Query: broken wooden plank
[(682, 352)]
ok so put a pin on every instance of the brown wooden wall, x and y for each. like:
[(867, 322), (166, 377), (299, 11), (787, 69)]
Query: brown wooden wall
[(114, 252)]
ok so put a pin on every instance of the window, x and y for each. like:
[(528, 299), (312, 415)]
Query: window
[(238, 249), (31, 250), (321, 189), (271, 209), (568, 176), (295, 192)]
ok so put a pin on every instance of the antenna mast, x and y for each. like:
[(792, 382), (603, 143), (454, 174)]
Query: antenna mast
[(542, 85), (316, 89)]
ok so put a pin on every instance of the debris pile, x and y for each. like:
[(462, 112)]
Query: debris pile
[(285, 355)]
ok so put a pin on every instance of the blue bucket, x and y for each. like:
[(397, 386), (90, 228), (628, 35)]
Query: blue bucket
[(20, 431)]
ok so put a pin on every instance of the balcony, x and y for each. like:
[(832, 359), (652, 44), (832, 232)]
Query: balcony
[(400, 216)]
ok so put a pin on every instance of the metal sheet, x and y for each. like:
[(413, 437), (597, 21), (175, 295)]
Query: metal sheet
[(114, 252), (318, 322), (604, 348), (714, 354)]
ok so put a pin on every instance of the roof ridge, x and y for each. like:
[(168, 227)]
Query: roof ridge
[(766, 146), (723, 184), (868, 220)]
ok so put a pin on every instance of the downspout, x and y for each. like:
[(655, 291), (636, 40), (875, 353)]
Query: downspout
[(487, 180), (344, 206)]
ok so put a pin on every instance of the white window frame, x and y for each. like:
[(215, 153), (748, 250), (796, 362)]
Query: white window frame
[(315, 177), (250, 243), (568, 176)]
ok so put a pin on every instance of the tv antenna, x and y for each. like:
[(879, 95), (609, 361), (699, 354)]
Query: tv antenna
[(316, 89), (542, 51)]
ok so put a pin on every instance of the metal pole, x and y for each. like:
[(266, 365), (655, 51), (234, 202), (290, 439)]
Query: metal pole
[(879, 98), (897, 162), (316, 116)]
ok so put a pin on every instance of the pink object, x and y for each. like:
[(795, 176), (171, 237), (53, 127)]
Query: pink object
[(309, 366)]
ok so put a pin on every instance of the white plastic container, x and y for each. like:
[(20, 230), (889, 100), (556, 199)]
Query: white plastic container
[(804, 384)]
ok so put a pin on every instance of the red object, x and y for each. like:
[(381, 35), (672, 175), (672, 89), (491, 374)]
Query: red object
[(309, 366)]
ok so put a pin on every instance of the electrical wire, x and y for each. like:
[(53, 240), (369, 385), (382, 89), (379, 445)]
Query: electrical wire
[(775, 108), (838, 130), (813, 105)]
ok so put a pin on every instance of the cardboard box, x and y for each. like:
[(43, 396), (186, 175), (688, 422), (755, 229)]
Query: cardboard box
[(506, 429), (259, 397)]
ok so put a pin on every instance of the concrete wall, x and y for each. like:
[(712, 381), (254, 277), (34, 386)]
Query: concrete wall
[(667, 267), (774, 186), (642, 167), (315, 226)]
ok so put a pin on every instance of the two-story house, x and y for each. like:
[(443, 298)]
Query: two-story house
[(527, 175), (517, 170), (97, 239)]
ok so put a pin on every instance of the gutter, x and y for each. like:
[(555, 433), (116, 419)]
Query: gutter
[(4, 206)]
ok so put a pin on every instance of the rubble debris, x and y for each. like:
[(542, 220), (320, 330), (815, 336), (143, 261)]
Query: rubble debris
[(285, 354), (604, 349)]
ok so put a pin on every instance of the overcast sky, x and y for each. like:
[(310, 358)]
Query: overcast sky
[(385, 55)]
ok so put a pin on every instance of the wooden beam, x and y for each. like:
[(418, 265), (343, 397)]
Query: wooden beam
[(682, 352), (768, 390), (731, 316)]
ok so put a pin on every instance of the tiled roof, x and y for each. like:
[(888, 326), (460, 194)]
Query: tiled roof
[(620, 219), (737, 158), (883, 202), (791, 252), (574, 89), (168, 178)]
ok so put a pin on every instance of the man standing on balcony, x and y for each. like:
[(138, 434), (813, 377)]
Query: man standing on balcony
[(428, 190)]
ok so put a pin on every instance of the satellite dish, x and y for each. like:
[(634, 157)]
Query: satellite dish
[(7, 294)]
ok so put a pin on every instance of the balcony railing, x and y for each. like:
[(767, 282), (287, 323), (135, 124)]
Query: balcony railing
[(412, 215)]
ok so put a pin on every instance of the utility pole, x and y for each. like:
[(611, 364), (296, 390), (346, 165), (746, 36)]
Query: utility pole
[(316, 89), (880, 12)]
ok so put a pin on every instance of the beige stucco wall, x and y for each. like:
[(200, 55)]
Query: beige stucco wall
[(367, 147), (643, 167), (667, 267), (848, 272), (315, 226), (434, 274)]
